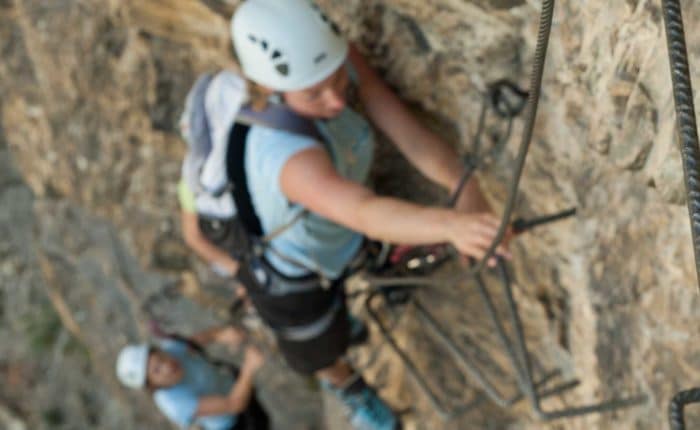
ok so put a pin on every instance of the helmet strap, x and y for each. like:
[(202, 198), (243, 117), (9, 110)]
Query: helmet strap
[(276, 98)]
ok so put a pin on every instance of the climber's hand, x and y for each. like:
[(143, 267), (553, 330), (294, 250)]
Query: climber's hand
[(472, 234)]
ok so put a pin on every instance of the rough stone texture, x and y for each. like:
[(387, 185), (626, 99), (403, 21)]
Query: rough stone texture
[(72, 296), (89, 95)]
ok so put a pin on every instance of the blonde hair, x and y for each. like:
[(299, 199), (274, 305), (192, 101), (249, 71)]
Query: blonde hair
[(259, 95)]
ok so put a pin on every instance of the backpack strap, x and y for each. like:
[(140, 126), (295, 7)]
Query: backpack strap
[(275, 116), (241, 194), (280, 117), (237, 176), (244, 204)]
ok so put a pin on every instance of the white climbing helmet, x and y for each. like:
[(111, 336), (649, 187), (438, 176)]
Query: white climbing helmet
[(132, 365), (286, 45)]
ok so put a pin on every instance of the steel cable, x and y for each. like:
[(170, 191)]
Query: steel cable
[(690, 153), (685, 116), (534, 91), (675, 408), (544, 31)]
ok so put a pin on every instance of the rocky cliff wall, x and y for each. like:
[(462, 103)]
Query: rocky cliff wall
[(90, 91)]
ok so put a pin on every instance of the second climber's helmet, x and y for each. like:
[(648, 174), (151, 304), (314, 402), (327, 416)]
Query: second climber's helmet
[(132, 365), (286, 45)]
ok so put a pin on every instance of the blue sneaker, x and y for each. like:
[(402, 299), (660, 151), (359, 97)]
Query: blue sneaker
[(365, 409)]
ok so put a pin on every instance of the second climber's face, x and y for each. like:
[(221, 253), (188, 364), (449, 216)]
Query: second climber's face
[(325, 100), (163, 370)]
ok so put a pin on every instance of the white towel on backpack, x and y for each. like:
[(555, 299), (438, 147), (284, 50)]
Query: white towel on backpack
[(225, 97)]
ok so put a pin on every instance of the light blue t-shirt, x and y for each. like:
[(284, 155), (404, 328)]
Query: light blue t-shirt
[(317, 243), (180, 402)]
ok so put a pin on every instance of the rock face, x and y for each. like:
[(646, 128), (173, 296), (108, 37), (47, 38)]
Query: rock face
[(89, 97)]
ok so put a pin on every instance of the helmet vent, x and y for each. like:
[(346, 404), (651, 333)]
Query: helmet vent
[(283, 69), (276, 55), (320, 57)]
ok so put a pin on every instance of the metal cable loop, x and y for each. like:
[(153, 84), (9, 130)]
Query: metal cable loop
[(675, 408), (531, 115), (534, 91)]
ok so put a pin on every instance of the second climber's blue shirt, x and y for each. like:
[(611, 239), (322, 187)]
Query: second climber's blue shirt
[(200, 378)]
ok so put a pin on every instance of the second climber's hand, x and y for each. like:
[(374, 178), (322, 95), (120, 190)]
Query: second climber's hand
[(231, 336), (473, 233), (253, 359), (226, 268)]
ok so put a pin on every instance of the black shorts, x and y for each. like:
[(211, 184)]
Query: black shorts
[(322, 351), (295, 309)]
